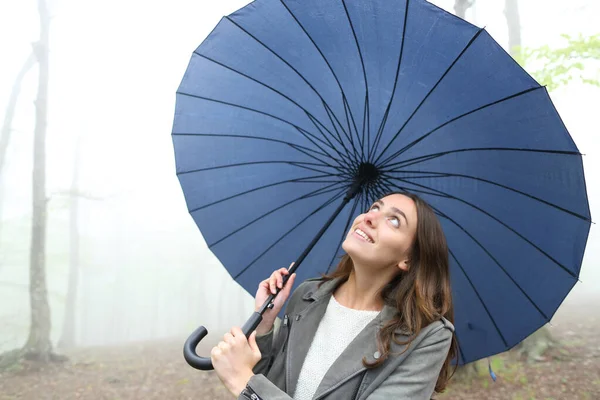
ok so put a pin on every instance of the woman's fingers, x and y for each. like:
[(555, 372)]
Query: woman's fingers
[(275, 281), (224, 346), (228, 337)]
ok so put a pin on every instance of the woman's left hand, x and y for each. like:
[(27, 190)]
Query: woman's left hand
[(233, 359)]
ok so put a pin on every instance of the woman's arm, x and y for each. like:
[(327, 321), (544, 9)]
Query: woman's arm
[(416, 377)]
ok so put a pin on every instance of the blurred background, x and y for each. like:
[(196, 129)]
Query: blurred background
[(123, 275)]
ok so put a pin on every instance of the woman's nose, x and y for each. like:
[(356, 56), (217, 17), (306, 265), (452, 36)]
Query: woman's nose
[(370, 219)]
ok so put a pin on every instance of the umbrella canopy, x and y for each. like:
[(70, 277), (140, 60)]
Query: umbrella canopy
[(287, 102)]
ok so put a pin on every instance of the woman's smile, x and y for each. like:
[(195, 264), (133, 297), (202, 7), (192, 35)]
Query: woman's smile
[(362, 235)]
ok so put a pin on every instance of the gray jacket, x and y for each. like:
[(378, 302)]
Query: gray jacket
[(411, 375)]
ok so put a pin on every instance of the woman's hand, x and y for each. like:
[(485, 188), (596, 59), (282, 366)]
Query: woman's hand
[(265, 289), (233, 359)]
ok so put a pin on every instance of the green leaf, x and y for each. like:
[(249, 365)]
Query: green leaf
[(578, 59)]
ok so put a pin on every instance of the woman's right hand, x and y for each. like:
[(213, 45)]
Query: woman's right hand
[(265, 289)]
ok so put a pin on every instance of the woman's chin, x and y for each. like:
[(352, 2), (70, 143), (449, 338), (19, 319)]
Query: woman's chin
[(357, 251)]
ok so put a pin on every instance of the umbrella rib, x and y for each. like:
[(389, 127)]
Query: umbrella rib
[(428, 157), (482, 248), (308, 179), (316, 123), (362, 63), (380, 189), (285, 62), (323, 190), (305, 133), (447, 195), (416, 141), (344, 232), (480, 298), (301, 149), (331, 117), (387, 110), (365, 200), (350, 117), (279, 93), (434, 174), (322, 206), (428, 94), (333, 73), (294, 163), (316, 170)]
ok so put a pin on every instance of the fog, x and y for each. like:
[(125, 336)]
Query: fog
[(144, 271)]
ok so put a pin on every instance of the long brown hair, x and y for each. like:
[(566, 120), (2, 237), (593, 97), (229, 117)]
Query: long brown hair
[(422, 294)]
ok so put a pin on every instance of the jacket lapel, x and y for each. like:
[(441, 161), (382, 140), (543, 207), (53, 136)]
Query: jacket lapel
[(303, 329), (304, 326), (349, 363)]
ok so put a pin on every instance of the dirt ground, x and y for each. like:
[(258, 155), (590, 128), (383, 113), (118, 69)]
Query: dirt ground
[(157, 371)]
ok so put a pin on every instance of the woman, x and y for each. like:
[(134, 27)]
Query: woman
[(379, 327)]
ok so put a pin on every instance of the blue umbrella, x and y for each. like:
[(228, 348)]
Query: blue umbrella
[(294, 115)]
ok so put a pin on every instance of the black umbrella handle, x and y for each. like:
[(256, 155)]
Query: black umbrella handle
[(205, 363)]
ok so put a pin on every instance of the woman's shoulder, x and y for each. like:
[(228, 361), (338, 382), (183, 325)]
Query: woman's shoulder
[(308, 287), (305, 290), (439, 330)]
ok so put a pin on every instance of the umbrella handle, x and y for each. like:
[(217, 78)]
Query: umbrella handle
[(205, 363)]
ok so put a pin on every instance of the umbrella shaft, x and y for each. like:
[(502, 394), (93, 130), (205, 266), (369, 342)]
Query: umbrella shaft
[(353, 191)]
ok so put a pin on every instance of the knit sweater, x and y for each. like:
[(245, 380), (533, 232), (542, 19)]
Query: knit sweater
[(338, 327)]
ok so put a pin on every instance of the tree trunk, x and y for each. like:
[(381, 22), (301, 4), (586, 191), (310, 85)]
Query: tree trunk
[(535, 346), (38, 344), (8, 117), (511, 11), (69, 333), (461, 7), (10, 109)]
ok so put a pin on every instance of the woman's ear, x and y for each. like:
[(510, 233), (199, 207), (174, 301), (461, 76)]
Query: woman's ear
[(403, 265)]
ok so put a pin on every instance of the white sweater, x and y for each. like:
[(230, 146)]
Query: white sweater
[(337, 329)]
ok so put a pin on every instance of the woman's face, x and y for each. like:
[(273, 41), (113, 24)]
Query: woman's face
[(382, 237)]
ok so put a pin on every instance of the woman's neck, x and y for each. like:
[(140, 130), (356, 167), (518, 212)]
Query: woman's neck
[(360, 293)]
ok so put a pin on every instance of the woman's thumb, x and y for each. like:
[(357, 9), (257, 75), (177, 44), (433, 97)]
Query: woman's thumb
[(252, 343)]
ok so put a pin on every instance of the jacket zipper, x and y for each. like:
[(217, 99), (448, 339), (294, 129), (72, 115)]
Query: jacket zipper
[(250, 394)]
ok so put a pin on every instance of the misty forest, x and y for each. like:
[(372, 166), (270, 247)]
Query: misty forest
[(103, 273)]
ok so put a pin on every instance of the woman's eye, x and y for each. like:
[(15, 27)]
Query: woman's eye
[(374, 208), (395, 222)]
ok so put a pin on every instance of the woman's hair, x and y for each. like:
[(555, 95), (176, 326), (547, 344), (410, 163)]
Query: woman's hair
[(422, 294)]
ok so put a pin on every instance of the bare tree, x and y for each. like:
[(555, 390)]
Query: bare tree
[(38, 345), (461, 7), (513, 20), (69, 333), (9, 115), (10, 108)]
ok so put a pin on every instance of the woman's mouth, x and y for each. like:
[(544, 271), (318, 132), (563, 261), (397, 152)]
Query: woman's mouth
[(361, 234)]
